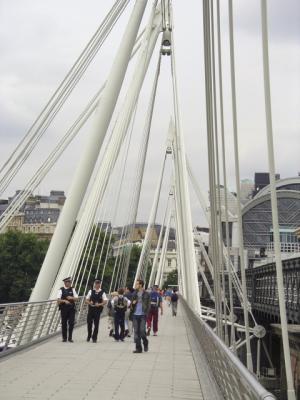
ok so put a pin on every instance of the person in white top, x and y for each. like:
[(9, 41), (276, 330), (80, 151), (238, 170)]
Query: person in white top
[(96, 299), (66, 298)]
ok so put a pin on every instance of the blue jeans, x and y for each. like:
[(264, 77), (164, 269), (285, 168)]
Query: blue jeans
[(139, 326), (119, 325)]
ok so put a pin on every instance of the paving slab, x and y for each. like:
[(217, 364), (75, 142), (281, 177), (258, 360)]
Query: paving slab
[(53, 370)]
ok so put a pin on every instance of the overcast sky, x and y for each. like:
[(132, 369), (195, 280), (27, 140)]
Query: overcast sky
[(40, 40)]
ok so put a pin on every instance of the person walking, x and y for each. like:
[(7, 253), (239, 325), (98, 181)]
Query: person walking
[(66, 298), (96, 299), (111, 314), (140, 308), (155, 304), (168, 294), (120, 304), (174, 302), (128, 319)]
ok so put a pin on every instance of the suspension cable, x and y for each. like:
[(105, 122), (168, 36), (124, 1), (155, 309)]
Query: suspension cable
[(271, 160), (25, 147), (120, 185), (232, 337), (222, 298), (56, 153), (238, 190), (211, 162)]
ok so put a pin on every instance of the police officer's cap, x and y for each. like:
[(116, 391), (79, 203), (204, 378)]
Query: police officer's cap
[(69, 279)]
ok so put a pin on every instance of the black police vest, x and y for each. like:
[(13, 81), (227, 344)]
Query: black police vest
[(65, 293), (96, 297)]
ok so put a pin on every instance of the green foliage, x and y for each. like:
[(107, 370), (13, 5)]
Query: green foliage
[(21, 257), (133, 264), (172, 279)]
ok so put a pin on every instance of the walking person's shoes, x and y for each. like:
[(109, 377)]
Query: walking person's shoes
[(155, 334), (146, 348), (148, 331), (94, 340), (64, 340), (137, 351), (71, 340), (88, 339), (126, 332), (111, 332)]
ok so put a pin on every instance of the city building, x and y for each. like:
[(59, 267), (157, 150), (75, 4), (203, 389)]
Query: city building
[(122, 233), (38, 215), (170, 261), (261, 180), (257, 219)]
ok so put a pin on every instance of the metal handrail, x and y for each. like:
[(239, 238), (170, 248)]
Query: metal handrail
[(25, 323), (235, 382)]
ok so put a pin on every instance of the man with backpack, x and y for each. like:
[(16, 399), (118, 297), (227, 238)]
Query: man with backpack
[(66, 298), (96, 299), (174, 302), (155, 305), (120, 304)]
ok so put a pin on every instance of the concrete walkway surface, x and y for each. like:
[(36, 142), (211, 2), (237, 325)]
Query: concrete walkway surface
[(106, 370)]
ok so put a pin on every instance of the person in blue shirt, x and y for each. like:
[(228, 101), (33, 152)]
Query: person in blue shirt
[(156, 304), (140, 307)]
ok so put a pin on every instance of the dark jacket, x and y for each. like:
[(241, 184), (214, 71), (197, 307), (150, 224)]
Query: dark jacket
[(145, 302)]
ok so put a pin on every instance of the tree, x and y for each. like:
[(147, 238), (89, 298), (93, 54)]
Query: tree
[(21, 257), (133, 264), (172, 279)]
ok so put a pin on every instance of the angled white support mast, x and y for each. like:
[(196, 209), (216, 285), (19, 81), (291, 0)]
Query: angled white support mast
[(86, 165), (113, 149), (159, 274), (185, 235), (159, 243)]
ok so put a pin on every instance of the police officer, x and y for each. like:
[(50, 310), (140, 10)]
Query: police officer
[(96, 299), (66, 299)]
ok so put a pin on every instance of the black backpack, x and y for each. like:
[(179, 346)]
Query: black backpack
[(121, 305), (174, 297)]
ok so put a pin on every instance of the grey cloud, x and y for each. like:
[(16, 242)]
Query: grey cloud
[(283, 18), (39, 51)]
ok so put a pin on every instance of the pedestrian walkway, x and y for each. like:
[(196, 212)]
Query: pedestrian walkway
[(106, 370)]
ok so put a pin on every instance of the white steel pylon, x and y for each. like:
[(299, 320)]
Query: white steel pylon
[(187, 258), (68, 266), (79, 185)]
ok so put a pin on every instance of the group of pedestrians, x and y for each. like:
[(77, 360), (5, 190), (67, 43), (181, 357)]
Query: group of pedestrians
[(129, 310)]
